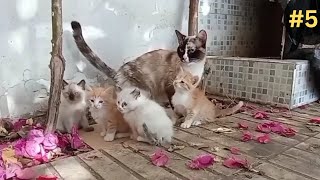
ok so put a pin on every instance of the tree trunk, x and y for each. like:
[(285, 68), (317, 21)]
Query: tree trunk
[(57, 66), (193, 17)]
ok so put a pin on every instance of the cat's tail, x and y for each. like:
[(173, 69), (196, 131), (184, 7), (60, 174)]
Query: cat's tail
[(229, 111), (88, 53)]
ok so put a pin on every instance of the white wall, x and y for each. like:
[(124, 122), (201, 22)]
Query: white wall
[(117, 30)]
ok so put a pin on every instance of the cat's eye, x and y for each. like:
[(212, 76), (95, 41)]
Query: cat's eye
[(100, 102), (76, 93), (182, 81), (91, 100), (124, 104), (191, 50)]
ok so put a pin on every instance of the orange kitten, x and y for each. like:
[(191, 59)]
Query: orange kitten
[(192, 102), (104, 110)]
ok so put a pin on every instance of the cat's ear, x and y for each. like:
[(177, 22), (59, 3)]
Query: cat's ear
[(82, 84), (195, 79), (64, 84), (180, 37), (118, 89), (136, 93), (202, 36)]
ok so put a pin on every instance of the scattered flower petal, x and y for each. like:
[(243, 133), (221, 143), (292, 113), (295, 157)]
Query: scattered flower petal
[(235, 162), (26, 173), (315, 120), (261, 115), (263, 139), (265, 128), (201, 161), (235, 150), (76, 141), (32, 148), (288, 132), (50, 141), (47, 177), (159, 158), (247, 136), (19, 124), (36, 135), (242, 125)]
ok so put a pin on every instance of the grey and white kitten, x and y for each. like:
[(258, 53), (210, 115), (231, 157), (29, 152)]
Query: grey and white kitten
[(73, 107), (139, 111), (153, 72)]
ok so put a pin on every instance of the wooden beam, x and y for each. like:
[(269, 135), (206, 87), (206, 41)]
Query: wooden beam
[(57, 66), (193, 17)]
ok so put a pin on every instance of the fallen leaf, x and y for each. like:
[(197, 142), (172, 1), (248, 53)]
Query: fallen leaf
[(242, 125), (261, 115), (198, 145), (201, 161), (29, 122), (265, 128), (263, 139), (235, 150), (315, 120), (235, 162), (159, 158), (222, 130), (246, 136), (175, 147), (8, 156)]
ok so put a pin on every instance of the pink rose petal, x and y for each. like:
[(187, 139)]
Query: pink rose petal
[(235, 162), (201, 161), (12, 169), (263, 139), (242, 126), (50, 141), (26, 173), (36, 135), (247, 136), (235, 150), (159, 158), (315, 120), (265, 128), (261, 115), (32, 148), (288, 132), (76, 141)]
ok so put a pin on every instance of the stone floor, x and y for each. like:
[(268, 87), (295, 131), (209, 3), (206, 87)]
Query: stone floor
[(294, 158)]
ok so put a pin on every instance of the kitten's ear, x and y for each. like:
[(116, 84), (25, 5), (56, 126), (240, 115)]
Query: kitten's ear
[(64, 84), (82, 84), (195, 79), (180, 37), (118, 89), (136, 93), (202, 35)]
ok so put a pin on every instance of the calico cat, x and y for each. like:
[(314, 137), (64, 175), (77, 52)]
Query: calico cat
[(192, 103), (145, 117), (152, 72), (72, 110), (104, 111)]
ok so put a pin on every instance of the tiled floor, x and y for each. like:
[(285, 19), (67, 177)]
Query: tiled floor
[(294, 158)]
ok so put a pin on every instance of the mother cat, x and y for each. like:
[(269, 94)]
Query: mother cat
[(153, 72)]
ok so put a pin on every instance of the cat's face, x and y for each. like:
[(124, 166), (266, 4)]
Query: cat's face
[(99, 97), (192, 48), (185, 81), (74, 92), (128, 99)]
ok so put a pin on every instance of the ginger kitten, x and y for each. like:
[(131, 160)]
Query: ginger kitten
[(192, 103), (104, 111)]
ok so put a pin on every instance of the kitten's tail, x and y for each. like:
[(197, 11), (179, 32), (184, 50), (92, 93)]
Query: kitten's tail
[(88, 53), (229, 111)]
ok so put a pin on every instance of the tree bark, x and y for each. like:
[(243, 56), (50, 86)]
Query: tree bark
[(57, 66), (193, 17)]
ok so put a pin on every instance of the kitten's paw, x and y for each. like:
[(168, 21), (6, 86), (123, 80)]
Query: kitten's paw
[(103, 133), (89, 129), (196, 123), (109, 137), (185, 125)]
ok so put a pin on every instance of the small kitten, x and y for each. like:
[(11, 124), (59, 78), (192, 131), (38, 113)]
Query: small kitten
[(141, 112), (192, 102), (104, 111), (72, 110)]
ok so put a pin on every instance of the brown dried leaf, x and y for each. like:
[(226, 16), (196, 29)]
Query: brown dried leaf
[(175, 147)]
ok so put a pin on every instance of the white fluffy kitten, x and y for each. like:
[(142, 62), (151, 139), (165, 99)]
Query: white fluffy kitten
[(138, 111), (73, 107)]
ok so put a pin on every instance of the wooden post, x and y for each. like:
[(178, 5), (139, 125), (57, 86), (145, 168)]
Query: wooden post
[(193, 17), (57, 66)]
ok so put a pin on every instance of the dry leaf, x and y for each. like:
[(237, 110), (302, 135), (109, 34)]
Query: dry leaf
[(29, 122), (198, 145), (175, 147), (8, 156), (92, 157)]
